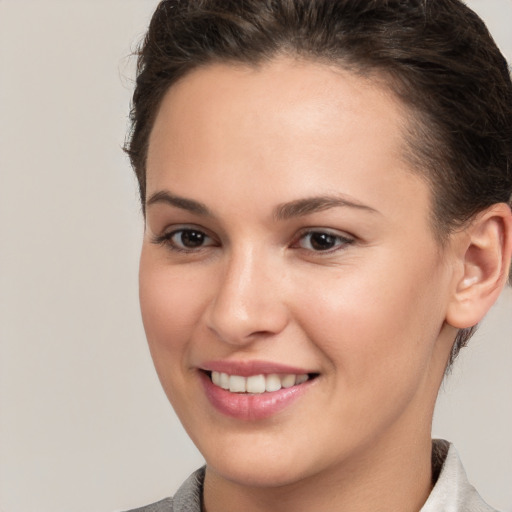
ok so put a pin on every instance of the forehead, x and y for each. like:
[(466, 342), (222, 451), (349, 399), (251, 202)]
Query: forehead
[(282, 95), (302, 126)]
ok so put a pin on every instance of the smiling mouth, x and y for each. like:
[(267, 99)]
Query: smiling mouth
[(258, 384)]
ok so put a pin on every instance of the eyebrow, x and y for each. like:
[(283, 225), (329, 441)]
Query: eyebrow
[(309, 205), (179, 202), (284, 211)]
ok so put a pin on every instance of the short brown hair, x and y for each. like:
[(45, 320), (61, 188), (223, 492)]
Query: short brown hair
[(437, 56)]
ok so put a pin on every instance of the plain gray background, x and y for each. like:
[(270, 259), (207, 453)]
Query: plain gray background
[(84, 425)]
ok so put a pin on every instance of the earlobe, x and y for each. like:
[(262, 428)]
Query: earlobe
[(484, 255)]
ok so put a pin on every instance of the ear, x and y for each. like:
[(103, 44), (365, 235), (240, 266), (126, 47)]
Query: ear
[(483, 254)]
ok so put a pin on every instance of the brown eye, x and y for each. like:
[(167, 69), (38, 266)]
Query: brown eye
[(323, 241), (188, 239)]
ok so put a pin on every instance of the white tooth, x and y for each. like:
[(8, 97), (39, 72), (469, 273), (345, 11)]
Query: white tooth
[(216, 378), (224, 381), (301, 378), (256, 384), (288, 381), (272, 383), (237, 384)]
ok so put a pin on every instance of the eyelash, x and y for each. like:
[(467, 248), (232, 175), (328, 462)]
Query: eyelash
[(167, 239), (340, 241)]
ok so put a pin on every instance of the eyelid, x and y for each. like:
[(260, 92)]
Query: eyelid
[(345, 238), (165, 238)]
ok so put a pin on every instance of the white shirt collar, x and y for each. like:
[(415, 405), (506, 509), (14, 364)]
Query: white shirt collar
[(452, 492)]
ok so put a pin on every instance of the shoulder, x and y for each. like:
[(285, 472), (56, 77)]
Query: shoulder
[(188, 498), (160, 506), (452, 490)]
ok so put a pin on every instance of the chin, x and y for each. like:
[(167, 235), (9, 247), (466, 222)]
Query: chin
[(258, 474), (262, 462)]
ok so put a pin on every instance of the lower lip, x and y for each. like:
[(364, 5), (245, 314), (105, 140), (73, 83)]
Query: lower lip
[(245, 406)]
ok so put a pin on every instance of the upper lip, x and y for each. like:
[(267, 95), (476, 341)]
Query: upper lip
[(248, 368)]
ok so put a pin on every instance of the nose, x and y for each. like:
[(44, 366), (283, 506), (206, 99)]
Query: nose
[(248, 301)]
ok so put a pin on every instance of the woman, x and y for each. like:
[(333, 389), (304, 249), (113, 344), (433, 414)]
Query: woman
[(326, 188)]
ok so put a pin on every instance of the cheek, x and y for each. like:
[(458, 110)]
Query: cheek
[(373, 323), (170, 304)]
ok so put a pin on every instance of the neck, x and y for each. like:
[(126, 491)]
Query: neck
[(388, 477)]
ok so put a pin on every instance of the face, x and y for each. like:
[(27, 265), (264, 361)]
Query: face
[(292, 291)]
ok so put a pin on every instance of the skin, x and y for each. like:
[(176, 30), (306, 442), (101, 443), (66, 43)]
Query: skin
[(369, 316)]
